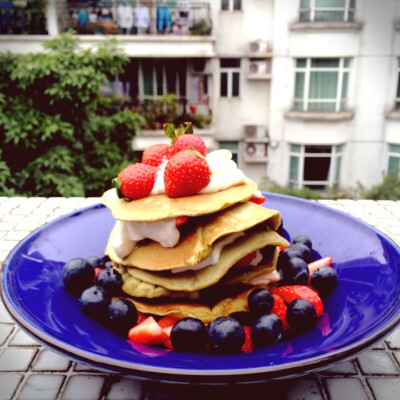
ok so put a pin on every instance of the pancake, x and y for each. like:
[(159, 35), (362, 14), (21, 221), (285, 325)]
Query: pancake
[(153, 208), (191, 281), (197, 243), (207, 314)]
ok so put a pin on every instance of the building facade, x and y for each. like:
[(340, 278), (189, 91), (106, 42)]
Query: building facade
[(304, 92)]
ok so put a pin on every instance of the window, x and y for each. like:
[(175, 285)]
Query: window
[(316, 167), (231, 5), (321, 84), (327, 10), (394, 159), (230, 77), (232, 147), (397, 101), (159, 77)]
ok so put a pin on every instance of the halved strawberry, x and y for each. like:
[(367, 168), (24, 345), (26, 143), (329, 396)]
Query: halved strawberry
[(245, 261), (148, 332), (279, 309), (167, 323), (248, 343), (141, 317), (292, 292), (258, 199), (96, 271), (322, 262)]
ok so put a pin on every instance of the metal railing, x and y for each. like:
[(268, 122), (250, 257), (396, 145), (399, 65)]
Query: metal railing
[(135, 17)]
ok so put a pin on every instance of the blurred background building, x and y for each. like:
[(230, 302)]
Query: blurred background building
[(305, 92)]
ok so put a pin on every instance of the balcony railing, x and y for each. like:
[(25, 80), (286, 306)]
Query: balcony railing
[(134, 17)]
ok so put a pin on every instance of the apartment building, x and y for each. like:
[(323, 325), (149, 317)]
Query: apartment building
[(304, 92)]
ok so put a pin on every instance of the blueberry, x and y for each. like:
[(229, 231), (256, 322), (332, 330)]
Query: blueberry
[(260, 301), (94, 302), (293, 271), (324, 280), (189, 334), (110, 280), (78, 275), (304, 240), (267, 329), (95, 262), (302, 250), (226, 335), (301, 315), (121, 316)]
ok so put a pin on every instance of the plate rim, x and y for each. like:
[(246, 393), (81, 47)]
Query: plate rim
[(316, 362)]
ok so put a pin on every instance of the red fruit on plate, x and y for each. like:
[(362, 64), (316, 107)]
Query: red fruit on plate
[(148, 332), (189, 140), (156, 154), (322, 262), (258, 199), (248, 343), (181, 220), (292, 292), (186, 173), (279, 309), (136, 181)]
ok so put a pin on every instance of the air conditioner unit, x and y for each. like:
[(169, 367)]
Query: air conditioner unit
[(255, 131), (200, 66), (255, 151), (258, 47), (258, 67)]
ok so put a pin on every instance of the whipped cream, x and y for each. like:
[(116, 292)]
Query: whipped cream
[(213, 257), (128, 233), (224, 173), (265, 278)]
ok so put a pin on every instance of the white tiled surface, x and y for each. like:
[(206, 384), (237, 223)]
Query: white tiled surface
[(30, 371)]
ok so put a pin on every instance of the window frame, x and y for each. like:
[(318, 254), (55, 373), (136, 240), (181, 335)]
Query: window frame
[(231, 6), (397, 94), (312, 9), (392, 154), (335, 156), (230, 71), (308, 69), (141, 87)]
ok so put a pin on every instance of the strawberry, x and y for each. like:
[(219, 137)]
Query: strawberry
[(156, 154), (292, 292), (258, 199), (148, 332), (248, 343), (140, 317), (279, 309), (96, 272), (245, 261), (322, 262), (186, 173), (167, 323), (184, 138), (136, 181)]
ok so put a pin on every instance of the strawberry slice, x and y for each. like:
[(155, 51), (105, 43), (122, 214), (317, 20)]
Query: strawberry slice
[(248, 343), (148, 332), (279, 309), (140, 317), (258, 199), (322, 262), (293, 292), (167, 323), (181, 220), (96, 272), (245, 261)]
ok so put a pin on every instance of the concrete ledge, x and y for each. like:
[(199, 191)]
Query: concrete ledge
[(319, 116), (316, 26)]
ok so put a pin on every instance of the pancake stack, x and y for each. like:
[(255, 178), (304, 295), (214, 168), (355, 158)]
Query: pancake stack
[(205, 274)]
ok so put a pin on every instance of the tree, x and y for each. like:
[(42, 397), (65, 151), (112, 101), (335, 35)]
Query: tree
[(58, 134)]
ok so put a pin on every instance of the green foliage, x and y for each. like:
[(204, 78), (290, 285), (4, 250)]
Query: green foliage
[(388, 189), (58, 136)]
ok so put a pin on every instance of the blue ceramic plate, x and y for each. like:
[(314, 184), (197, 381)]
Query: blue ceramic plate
[(361, 311)]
